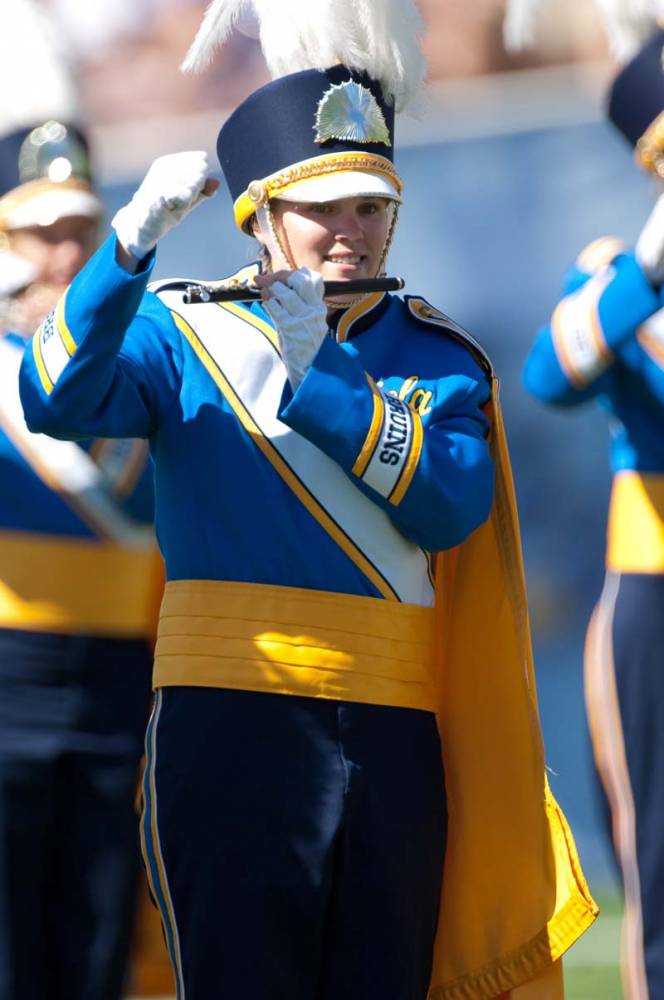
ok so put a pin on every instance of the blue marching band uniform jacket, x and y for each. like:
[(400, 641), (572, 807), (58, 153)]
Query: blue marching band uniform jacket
[(606, 342), (77, 551), (383, 469), (299, 532)]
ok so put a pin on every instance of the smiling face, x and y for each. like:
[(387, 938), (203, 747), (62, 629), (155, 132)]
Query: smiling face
[(342, 239)]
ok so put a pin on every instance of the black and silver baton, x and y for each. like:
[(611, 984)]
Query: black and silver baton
[(237, 292)]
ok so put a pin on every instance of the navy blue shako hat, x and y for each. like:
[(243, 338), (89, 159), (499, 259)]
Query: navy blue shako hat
[(315, 135), (45, 175), (636, 104)]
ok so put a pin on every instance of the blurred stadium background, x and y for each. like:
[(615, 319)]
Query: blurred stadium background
[(510, 169)]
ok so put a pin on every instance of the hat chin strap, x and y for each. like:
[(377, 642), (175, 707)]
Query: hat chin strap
[(280, 256)]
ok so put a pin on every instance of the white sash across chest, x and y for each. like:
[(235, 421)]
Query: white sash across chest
[(244, 349), (63, 466)]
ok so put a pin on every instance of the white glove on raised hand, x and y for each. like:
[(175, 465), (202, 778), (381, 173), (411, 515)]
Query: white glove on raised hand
[(650, 245), (173, 185), (300, 317)]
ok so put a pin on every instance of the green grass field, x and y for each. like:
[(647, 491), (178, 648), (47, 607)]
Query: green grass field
[(591, 966)]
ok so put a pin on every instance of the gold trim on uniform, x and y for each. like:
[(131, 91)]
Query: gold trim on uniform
[(63, 329), (248, 317), (375, 427), (50, 358), (286, 640), (47, 385), (154, 857), (635, 537), (412, 462), (355, 312)]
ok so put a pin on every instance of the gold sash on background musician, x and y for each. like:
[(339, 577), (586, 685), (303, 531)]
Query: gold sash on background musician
[(109, 584)]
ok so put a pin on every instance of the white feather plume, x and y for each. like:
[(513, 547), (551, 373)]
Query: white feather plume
[(519, 23), (627, 23), (219, 20), (36, 78), (379, 36)]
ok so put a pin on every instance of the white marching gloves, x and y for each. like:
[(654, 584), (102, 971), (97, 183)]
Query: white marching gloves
[(300, 317), (650, 245), (172, 187)]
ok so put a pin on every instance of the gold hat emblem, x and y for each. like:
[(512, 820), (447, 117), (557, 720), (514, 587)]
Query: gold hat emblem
[(350, 112)]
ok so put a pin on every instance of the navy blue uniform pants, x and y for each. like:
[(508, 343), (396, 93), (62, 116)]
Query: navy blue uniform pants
[(73, 712), (294, 845), (625, 701)]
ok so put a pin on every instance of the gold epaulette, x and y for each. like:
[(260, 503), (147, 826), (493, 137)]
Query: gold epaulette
[(426, 313)]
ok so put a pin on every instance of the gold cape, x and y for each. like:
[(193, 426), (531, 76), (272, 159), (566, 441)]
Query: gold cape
[(514, 897)]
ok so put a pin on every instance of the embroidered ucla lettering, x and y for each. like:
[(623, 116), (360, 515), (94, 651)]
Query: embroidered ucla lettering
[(53, 346), (418, 399), (578, 337)]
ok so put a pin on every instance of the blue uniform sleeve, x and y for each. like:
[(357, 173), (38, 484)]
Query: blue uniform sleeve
[(643, 356), (572, 356), (432, 474), (106, 361)]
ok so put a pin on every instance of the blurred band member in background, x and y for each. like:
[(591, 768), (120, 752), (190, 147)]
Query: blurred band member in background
[(605, 343), (79, 586)]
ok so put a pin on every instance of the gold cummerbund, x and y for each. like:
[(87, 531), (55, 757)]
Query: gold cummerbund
[(284, 640), (635, 540), (51, 583)]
